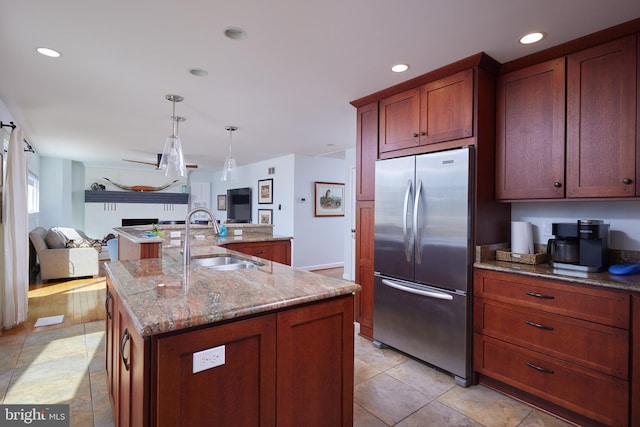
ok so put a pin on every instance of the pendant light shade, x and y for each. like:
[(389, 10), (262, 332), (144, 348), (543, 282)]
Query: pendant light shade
[(172, 160), (230, 169)]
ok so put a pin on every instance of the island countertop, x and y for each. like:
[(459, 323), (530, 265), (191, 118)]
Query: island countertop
[(161, 295)]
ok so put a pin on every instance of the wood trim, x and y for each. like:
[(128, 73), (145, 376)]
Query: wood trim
[(564, 49), (634, 398), (481, 60)]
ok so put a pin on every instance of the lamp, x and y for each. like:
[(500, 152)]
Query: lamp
[(172, 160), (230, 170)]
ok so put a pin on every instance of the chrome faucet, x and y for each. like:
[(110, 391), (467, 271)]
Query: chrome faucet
[(186, 251)]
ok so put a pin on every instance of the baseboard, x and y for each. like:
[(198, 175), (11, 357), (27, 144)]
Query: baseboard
[(322, 266)]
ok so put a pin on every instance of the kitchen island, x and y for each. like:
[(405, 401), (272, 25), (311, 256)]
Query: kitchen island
[(188, 345)]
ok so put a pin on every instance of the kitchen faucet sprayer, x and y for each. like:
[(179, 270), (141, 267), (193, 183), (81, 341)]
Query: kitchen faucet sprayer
[(186, 252)]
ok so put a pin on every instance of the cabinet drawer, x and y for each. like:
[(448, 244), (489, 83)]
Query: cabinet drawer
[(599, 347), (579, 301), (597, 396)]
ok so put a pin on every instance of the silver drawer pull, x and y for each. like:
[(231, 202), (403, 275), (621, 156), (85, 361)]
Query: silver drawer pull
[(539, 369), (539, 326), (533, 294)]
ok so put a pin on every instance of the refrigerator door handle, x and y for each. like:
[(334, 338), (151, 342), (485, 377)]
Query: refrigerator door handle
[(416, 234), (405, 212), (424, 293)]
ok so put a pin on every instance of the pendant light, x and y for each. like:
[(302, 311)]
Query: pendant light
[(230, 170), (172, 160)]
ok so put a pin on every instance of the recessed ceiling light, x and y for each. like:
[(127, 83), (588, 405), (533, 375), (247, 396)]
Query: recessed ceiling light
[(235, 33), (399, 68), (48, 52), (531, 38), (199, 72)]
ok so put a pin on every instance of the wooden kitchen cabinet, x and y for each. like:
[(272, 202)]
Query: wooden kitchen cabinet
[(601, 120), (530, 132), (130, 372), (364, 266), (111, 341), (598, 133), (273, 250), (553, 344), (436, 112), (366, 150), (239, 392)]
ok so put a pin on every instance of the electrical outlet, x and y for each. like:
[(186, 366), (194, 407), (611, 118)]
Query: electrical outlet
[(237, 232), (207, 359), (174, 234)]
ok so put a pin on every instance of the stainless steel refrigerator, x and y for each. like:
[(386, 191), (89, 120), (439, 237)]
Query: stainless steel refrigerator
[(423, 258)]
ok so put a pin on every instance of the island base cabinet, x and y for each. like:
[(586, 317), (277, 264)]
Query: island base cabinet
[(600, 397), (290, 368), (315, 365), (239, 392)]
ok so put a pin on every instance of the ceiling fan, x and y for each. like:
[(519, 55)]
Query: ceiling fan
[(157, 163)]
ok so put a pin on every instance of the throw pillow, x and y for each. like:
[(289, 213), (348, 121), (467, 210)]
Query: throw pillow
[(55, 239), (85, 243)]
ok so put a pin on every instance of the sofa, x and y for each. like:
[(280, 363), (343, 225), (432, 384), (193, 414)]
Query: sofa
[(64, 252)]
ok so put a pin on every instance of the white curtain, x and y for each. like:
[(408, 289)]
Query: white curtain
[(15, 235)]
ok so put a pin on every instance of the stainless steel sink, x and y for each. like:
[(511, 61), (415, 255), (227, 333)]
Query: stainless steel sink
[(224, 263)]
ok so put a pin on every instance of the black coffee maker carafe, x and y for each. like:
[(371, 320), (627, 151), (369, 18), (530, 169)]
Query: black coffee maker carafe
[(564, 249)]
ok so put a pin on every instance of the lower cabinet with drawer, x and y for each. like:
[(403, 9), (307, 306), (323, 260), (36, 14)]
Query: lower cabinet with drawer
[(561, 346)]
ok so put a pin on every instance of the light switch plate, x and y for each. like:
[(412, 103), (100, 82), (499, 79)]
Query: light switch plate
[(175, 234), (237, 232)]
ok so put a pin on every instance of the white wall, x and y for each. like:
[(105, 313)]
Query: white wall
[(623, 218), (349, 241), (322, 238)]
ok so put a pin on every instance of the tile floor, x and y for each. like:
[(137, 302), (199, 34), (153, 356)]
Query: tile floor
[(66, 365)]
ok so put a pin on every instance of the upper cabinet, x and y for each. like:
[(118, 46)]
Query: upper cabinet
[(366, 150), (598, 133), (601, 121), (435, 112), (530, 132)]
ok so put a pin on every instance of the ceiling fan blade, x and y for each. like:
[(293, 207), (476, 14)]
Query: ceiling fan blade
[(138, 161), (188, 166)]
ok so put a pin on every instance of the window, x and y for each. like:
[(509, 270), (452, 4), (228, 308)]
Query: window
[(33, 193)]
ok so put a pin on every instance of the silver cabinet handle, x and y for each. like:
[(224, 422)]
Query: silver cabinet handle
[(405, 213), (424, 293), (415, 222)]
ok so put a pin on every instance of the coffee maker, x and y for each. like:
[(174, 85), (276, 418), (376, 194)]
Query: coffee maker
[(591, 239)]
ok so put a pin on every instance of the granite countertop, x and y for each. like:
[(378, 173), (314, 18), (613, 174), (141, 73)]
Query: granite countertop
[(200, 234), (604, 279), (161, 295)]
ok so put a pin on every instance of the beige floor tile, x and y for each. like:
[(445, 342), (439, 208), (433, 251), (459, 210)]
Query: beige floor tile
[(378, 359), (429, 381), (81, 415), (436, 414), (102, 413), (5, 380), (44, 335), (540, 419), (363, 418), (388, 399), (10, 348), (363, 371), (486, 406), (56, 349)]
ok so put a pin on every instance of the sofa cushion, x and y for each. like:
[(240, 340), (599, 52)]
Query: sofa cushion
[(55, 239)]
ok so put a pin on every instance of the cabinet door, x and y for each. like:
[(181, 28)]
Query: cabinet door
[(277, 251), (315, 365), (446, 109), (400, 121), (132, 370), (366, 151), (364, 266), (111, 341), (601, 120), (239, 392), (530, 132)]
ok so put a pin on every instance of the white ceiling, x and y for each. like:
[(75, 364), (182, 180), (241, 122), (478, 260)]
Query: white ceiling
[(287, 86)]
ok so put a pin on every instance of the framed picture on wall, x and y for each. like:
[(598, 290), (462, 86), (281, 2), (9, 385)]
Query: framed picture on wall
[(329, 199), (265, 216), (265, 191), (222, 202)]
